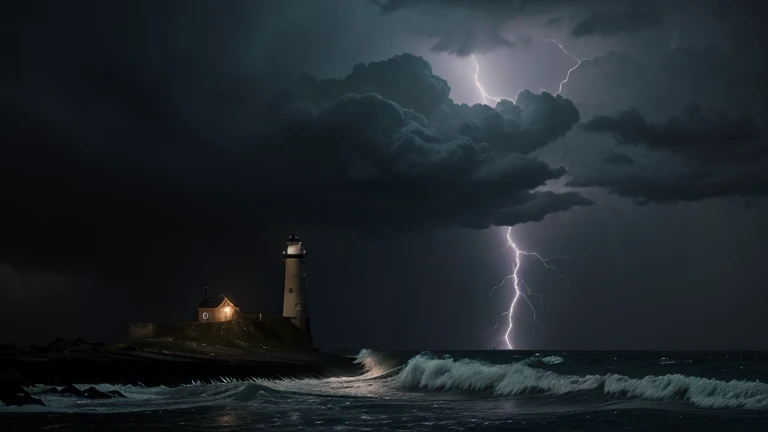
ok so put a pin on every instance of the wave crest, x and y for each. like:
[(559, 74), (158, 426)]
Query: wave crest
[(377, 364), (426, 371), (702, 392)]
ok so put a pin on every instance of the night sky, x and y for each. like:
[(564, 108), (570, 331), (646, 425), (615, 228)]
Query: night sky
[(149, 149)]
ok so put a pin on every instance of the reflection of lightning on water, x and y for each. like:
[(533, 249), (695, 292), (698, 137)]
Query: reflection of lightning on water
[(568, 75), (517, 282)]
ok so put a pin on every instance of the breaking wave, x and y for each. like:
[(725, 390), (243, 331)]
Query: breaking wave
[(377, 364), (388, 377), (702, 392), (426, 371)]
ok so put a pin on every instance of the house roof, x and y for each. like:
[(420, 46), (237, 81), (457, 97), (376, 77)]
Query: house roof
[(212, 302)]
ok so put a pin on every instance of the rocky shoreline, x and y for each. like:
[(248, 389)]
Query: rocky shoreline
[(71, 368)]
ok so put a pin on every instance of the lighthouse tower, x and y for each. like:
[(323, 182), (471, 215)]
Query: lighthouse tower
[(295, 294)]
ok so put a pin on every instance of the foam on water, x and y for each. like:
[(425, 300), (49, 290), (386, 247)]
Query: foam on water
[(701, 392), (427, 377), (376, 364), (428, 372), (550, 360), (425, 371)]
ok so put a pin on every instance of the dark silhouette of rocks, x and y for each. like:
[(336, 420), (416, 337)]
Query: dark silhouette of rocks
[(94, 393), (12, 390), (9, 348), (71, 390), (169, 362), (10, 375), (117, 393), (89, 393), (59, 345)]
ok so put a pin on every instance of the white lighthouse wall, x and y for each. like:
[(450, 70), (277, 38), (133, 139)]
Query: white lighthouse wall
[(295, 299)]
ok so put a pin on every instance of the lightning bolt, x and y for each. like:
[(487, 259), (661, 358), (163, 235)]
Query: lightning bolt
[(517, 282), (568, 75), (486, 96)]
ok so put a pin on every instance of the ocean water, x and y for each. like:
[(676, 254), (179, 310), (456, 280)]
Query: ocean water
[(473, 391)]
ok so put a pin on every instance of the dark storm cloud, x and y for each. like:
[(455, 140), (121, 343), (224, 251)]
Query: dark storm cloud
[(362, 153), (133, 155), (405, 79), (405, 169), (482, 25), (619, 159), (532, 122), (617, 80), (373, 165), (700, 183), (617, 70), (468, 39), (696, 127), (522, 127), (613, 21), (710, 154), (718, 71), (158, 147), (699, 134), (462, 28)]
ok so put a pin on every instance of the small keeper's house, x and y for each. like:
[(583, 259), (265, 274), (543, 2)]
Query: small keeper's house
[(216, 309)]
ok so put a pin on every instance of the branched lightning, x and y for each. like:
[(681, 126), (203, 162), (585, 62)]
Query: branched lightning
[(561, 257), (498, 320), (517, 282), (500, 284), (533, 293), (486, 96), (568, 75)]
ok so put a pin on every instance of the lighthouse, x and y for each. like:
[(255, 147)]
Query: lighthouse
[(294, 291)]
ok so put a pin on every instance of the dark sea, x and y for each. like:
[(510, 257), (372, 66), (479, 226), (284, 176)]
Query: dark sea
[(472, 391)]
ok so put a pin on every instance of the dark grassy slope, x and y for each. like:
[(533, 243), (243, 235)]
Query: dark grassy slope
[(276, 337), (179, 354)]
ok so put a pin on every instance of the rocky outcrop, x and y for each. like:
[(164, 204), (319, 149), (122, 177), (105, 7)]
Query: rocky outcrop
[(199, 353), (12, 391), (117, 393), (89, 393), (9, 348), (70, 390), (94, 393)]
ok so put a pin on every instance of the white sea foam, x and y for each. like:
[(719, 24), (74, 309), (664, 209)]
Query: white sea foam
[(384, 378), (424, 371), (550, 360), (374, 363), (702, 392), (427, 372)]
